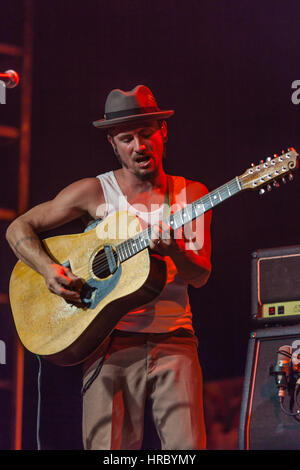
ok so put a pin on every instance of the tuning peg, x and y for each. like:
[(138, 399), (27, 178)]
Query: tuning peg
[(261, 191), (290, 177), (283, 180), (282, 151), (252, 164), (261, 161), (269, 187), (275, 184), (269, 159)]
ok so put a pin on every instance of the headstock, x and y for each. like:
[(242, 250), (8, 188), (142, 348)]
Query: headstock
[(272, 170)]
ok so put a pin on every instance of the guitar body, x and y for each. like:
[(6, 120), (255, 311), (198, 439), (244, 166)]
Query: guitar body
[(63, 333)]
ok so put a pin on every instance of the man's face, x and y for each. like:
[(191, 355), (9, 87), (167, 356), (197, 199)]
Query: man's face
[(140, 148)]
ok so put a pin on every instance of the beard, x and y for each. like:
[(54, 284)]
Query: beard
[(150, 175)]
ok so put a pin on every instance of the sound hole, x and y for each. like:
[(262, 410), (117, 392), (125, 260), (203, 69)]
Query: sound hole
[(105, 262)]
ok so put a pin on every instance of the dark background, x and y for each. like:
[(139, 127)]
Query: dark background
[(226, 68)]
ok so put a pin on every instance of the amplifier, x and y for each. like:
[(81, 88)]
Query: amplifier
[(265, 423), (275, 285)]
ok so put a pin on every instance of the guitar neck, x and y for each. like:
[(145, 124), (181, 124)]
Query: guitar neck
[(139, 242)]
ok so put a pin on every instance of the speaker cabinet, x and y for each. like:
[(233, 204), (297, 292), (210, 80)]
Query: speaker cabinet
[(275, 289), (263, 424)]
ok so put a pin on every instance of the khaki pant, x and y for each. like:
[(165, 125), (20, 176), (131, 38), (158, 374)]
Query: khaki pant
[(161, 367)]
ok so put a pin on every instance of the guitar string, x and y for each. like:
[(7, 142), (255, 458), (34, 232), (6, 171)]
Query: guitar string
[(101, 264)]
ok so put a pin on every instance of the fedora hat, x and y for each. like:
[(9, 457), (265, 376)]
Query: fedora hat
[(129, 106)]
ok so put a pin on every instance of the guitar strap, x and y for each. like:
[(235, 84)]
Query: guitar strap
[(167, 205), (176, 194)]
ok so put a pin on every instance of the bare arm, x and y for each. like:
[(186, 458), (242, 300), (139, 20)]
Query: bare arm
[(22, 235), (191, 253)]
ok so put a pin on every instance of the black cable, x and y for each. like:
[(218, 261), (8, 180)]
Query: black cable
[(281, 400), (287, 412), (297, 388), (38, 417), (97, 370)]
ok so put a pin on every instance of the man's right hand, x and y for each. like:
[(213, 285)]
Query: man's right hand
[(61, 281)]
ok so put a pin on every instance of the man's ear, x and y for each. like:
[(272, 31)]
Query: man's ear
[(164, 131), (112, 143), (110, 139)]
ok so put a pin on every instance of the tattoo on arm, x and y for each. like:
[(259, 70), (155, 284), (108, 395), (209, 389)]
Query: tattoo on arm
[(22, 240)]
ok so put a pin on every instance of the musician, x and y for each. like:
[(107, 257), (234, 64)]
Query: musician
[(152, 353)]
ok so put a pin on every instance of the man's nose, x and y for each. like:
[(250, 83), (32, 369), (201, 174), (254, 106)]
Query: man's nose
[(139, 144)]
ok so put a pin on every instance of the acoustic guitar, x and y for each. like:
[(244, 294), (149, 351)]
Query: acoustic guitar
[(119, 273)]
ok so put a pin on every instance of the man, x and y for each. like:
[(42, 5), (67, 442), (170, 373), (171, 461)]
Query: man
[(152, 353)]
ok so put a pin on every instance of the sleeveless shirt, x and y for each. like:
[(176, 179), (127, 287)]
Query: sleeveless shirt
[(171, 308)]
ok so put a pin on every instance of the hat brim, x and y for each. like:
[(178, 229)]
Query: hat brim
[(106, 123)]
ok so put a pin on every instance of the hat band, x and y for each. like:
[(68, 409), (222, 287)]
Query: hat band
[(131, 112)]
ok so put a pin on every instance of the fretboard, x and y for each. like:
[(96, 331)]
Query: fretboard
[(140, 241)]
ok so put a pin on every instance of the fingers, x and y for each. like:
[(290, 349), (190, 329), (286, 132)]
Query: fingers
[(56, 287), (162, 236), (64, 283), (72, 281)]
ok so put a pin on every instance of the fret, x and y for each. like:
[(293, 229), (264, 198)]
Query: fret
[(127, 247), (199, 207), (207, 202), (186, 212), (119, 251), (192, 210), (234, 186), (145, 237), (133, 246), (144, 241), (181, 212), (138, 243), (125, 250), (224, 193), (238, 185), (189, 212), (177, 219), (171, 221), (216, 197)]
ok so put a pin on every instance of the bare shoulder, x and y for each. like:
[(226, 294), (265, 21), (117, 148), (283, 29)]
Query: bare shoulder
[(90, 185), (194, 190), (78, 199), (82, 194)]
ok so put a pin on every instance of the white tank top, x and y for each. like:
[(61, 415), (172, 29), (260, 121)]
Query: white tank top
[(171, 309)]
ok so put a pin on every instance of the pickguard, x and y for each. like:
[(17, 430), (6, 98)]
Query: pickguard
[(94, 290)]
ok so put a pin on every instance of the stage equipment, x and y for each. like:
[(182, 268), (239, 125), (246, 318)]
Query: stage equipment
[(270, 410), (275, 289)]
